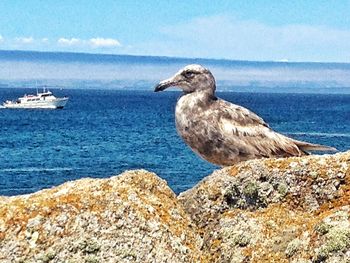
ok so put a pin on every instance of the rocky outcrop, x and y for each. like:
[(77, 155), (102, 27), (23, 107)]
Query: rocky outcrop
[(275, 210), (271, 210), (133, 217)]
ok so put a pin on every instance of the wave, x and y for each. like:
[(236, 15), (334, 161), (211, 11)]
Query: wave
[(320, 134), (14, 191), (36, 169)]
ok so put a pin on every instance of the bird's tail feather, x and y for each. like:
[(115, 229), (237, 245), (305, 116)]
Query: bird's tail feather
[(305, 146)]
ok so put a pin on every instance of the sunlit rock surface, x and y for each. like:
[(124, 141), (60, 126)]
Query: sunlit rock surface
[(275, 210), (270, 210), (134, 217)]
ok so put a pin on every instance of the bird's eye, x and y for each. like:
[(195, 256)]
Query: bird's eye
[(189, 74)]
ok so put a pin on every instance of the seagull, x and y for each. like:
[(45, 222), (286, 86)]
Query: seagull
[(221, 132)]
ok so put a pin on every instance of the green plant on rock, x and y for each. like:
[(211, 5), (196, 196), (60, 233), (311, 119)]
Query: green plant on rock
[(242, 239), (89, 246), (91, 259), (293, 247), (322, 228), (282, 189), (250, 190), (337, 240)]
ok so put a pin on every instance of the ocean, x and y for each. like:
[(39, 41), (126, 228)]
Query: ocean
[(115, 122)]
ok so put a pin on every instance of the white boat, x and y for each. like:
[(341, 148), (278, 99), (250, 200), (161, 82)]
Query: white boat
[(42, 100)]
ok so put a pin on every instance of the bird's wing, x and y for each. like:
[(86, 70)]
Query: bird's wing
[(251, 134), (239, 114)]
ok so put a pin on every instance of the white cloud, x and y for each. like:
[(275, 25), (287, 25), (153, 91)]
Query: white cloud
[(63, 43), (90, 43), (224, 36), (69, 41), (25, 40), (104, 42)]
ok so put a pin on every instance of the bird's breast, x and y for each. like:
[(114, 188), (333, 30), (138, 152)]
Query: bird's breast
[(186, 112), (197, 123), (192, 122)]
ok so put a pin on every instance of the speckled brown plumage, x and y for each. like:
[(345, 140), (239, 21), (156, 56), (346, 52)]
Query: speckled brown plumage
[(221, 132)]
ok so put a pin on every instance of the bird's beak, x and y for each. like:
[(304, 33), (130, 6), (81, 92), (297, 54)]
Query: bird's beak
[(165, 84)]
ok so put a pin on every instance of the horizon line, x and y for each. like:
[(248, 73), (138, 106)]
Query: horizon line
[(281, 61)]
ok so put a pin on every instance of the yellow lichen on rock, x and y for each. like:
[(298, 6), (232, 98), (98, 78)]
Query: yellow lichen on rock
[(131, 217), (269, 210), (274, 210)]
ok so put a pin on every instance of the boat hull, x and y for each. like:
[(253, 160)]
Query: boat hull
[(58, 103)]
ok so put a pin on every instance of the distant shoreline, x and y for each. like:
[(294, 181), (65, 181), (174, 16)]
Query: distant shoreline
[(129, 72), (83, 56)]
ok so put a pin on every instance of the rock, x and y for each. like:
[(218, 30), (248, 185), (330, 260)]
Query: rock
[(268, 210), (275, 210), (134, 217)]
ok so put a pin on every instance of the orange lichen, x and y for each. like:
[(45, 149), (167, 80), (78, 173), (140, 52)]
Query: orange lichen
[(281, 221), (342, 199), (143, 197), (282, 164), (234, 171)]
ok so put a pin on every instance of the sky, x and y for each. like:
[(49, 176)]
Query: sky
[(280, 30)]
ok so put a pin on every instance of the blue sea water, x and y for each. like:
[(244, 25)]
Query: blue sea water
[(114, 121), (104, 132)]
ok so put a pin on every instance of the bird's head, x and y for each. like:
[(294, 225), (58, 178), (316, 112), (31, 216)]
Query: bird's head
[(190, 79)]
